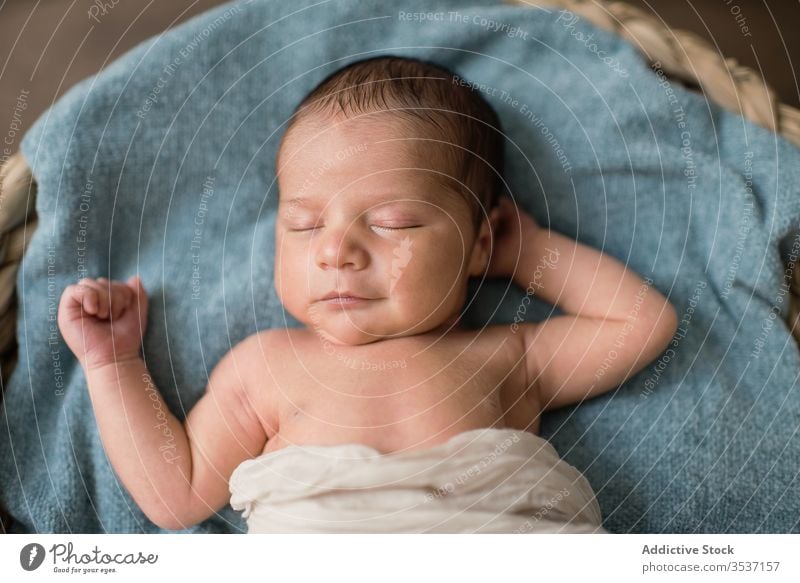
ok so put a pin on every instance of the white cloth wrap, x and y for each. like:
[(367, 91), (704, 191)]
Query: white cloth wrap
[(480, 481)]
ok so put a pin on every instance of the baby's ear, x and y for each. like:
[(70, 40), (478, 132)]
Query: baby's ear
[(494, 219), (482, 248)]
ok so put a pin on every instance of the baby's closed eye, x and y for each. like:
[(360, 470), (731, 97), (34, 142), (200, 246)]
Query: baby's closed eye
[(394, 226)]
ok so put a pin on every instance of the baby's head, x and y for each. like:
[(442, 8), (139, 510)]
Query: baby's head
[(388, 175)]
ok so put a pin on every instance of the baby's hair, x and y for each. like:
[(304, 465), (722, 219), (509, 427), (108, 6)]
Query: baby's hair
[(429, 97)]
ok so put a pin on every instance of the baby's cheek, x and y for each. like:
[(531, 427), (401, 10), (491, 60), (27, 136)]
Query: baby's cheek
[(430, 275), (290, 285), (445, 261)]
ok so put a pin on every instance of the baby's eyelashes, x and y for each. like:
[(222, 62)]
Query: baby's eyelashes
[(395, 227), (385, 228)]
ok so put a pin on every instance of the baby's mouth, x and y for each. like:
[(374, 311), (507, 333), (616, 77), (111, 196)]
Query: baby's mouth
[(344, 299), (343, 294)]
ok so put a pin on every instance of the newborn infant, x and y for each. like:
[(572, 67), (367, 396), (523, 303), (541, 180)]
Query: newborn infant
[(382, 413)]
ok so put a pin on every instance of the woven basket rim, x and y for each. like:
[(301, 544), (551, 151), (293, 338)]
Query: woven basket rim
[(688, 56)]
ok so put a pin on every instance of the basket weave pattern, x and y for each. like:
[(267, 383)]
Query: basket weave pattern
[(18, 222)]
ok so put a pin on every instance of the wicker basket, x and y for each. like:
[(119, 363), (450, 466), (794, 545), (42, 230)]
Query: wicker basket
[(682, 55)]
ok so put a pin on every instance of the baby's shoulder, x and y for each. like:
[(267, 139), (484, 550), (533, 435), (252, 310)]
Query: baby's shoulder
[(270, 352), (282, 346), (499, 337), (282, 338), (494, 344)]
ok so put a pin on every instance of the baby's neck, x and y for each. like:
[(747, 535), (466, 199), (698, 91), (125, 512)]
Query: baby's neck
[(452, 324)]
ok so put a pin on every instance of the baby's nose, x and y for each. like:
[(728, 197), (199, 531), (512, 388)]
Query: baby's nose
[(339, 249)]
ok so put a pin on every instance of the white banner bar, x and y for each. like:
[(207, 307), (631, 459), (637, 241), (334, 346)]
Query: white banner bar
[(401, 558)]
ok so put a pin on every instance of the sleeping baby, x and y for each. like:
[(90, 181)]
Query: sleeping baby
[(383, 413)]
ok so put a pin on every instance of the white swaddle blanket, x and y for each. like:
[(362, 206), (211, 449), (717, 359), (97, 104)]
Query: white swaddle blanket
[(480, 481)]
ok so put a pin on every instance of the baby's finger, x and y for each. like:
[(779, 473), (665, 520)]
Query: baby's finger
[(140, 300), (121, 296), (104, 286), (118, 294), (101, 295), (86, 297)]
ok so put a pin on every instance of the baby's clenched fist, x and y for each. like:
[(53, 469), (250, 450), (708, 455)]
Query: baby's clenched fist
[(103, 321)]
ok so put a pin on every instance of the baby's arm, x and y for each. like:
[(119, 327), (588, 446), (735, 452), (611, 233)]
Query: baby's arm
[(175, 480), (176, 472), (615, 323)]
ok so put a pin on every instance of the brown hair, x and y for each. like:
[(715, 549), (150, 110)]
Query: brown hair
[(430, 97)]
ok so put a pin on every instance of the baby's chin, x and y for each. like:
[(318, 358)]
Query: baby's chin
[(351, 334), (358, 327), (354, 336), (347, 337)]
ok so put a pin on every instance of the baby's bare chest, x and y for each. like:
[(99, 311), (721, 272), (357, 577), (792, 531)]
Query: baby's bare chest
[(392, 395)]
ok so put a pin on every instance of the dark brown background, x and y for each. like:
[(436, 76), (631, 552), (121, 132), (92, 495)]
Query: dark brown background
[(47, 46)]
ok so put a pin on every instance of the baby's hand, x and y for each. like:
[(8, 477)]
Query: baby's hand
[(103, 321), (514, 233)]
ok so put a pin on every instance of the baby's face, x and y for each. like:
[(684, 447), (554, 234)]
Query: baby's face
[(363, 213)]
